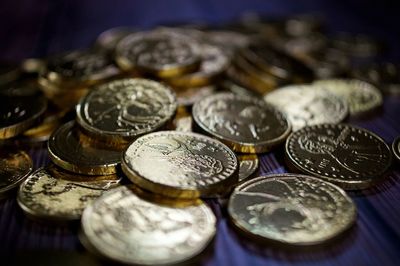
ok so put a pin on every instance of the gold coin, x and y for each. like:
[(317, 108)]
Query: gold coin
[(290, 209), (180, 164), (53, 194), (15, 166), (70, 152), (126, 228)]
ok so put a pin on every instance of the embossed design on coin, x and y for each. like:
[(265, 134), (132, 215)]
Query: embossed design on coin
[(361, 96), (180, 164), (14, 168), (245, 124), (291, 209), (53, 194), (349, 156), (163, 53), (68, 150), (304, 105), (126, 228), (126, 108), (248, 166)]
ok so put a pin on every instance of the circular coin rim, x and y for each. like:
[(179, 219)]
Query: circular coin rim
[(395, 148)]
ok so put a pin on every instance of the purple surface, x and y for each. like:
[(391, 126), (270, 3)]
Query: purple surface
[(37, 28)]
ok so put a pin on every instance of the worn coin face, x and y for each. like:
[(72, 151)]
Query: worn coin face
[(180, 164), (213, 63), (349, 156), (71, 152), (56, 195), (124, 109), (128, 229), (18, 113), (162, 53), (291, 209), (396, 148), (245, 124), (362, 97), (248, 165), (304, 105), (15, 166)]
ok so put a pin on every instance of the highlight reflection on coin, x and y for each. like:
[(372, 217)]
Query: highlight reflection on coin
[(128, 229), (248, 165), (163, 53), (291, 209), (124, 109), (304, 105), (14, 168), (396, 148), (56, 195), (69, 151), (361, 96), (348, 156), (245, 124), (180, 164)]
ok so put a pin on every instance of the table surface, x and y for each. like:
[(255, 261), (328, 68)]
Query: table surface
[(38, 28)]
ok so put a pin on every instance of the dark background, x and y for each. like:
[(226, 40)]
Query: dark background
[(38, 28)]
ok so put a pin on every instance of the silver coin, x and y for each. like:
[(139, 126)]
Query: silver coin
[(248, 165), (304, 105), (129, 229)]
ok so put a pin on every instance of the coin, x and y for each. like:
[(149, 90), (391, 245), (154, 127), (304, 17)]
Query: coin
[(361, 97), (356, 45), (180, 164), (128, 229), (162, 53), (15, 166), (248, 165), (230, 41), (188, 96), (52, 194), (69, 151), (245, 124), (122, 110), (18, 113), (108, 40), (8, 73), (290, 209), (182, 121), (396, 148), (304, 105), (214, 63), (348, 156)]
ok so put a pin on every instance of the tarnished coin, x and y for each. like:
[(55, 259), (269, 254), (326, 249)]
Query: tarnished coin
[(396, 148), (351, 157), (122, 110), (180, 164), (248, 165), (188, 96), (290, 209), (69, 151), (162, 53), (18, 113), (245, 124), (56, 195), (107, 40), (15, 166), (361, 97), (304, 105), (128, 229)]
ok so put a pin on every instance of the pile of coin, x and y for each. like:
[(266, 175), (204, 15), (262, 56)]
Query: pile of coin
[(145, 124)]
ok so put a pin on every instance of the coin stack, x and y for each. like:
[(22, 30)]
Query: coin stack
[(164, 118)]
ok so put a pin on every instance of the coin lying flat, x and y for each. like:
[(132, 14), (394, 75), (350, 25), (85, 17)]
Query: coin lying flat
[(15, 166), (56, 195), (396, 148), (291, 209), (162, 53), (248, 165), (188, 96), (18, 113), (180, 164), (70, 151), (128, 229), (361, 97), (304, 105), (245, 124), (124, 109), (351, 157), (214, 63)]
